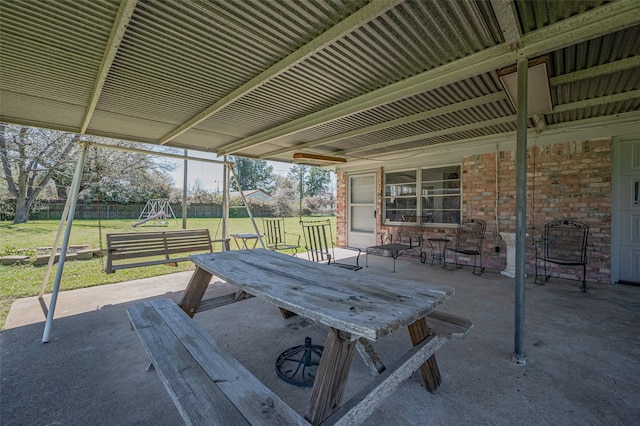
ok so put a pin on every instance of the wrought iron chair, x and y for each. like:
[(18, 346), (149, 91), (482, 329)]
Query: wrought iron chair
[(564, 243), (408, 234), (276, 238), (468, 241), (319, 244)]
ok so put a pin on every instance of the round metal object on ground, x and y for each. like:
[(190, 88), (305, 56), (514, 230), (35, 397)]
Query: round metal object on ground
[(298, 365)]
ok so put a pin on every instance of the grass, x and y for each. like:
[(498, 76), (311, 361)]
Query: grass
[(19, 281)]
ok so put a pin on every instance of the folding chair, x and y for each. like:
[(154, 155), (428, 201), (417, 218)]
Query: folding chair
[(319, 244), (276, 238)]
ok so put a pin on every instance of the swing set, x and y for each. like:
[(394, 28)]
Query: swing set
[(157, 210)]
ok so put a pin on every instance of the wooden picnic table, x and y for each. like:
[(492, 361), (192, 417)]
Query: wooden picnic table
[(355, 306)]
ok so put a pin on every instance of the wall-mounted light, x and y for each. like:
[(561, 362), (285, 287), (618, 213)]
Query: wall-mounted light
[(315, 159), (538, 91)]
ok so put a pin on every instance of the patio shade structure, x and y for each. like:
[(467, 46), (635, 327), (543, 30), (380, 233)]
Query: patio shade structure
[(69, 210), (350, 79)]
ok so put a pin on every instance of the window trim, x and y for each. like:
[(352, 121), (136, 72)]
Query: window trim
[(417, 197)]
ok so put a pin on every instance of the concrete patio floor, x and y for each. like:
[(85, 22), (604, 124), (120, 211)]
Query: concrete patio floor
[(583, 355)]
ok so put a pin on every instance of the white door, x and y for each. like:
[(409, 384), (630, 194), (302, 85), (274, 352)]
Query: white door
[(361, 210), (628, 210)]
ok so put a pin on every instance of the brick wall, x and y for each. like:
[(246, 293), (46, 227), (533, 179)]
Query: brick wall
[(573, 180), (567, 180)]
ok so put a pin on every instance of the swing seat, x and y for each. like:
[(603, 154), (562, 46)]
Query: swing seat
[(159, 247)]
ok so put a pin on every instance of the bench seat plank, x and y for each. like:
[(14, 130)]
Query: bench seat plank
[(128, 246), (170, 262), (207, 385), (448, 325)]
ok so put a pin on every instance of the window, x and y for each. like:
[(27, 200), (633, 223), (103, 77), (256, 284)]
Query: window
[(400, 195), (427, 195)]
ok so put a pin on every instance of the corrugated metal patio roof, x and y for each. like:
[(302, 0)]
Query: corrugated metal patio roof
[(345, 78)]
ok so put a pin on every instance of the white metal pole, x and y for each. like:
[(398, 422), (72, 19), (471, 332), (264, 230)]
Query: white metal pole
[(157, 153), (244, 200), (54, 249), (75, 188), (225, 204), (184, 192)]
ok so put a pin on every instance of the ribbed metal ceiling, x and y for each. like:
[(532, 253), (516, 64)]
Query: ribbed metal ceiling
[(340, 77)]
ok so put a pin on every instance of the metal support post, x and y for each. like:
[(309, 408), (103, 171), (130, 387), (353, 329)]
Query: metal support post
[(225, 204), (75, 189), (54, 249), (184, 192), (519, 355)]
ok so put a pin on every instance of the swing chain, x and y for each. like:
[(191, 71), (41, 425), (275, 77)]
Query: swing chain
[(96, 179)]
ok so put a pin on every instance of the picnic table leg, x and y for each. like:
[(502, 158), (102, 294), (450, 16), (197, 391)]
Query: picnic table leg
[(369, 356), (419, 330), (192, 295), (286, 313), (331, 376)]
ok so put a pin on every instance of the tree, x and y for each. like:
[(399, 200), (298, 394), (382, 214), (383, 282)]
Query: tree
[(33, 158), (30, 157), (119, 176), (199, 194), (284, 196), (315, 181), (253, 174)]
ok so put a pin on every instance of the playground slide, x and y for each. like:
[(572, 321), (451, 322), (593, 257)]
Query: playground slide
[(160, 215)]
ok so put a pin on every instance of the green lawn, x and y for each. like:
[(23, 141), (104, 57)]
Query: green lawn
[(25, 280)]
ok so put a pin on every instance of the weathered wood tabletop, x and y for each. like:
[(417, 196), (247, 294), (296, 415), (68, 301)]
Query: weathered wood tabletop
[(354, 305), (363, 305)]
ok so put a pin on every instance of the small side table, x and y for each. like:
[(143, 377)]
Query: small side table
[(439, 253), (244, 238)]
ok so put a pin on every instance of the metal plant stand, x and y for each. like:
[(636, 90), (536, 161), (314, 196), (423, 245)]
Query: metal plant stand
[(298, 365)]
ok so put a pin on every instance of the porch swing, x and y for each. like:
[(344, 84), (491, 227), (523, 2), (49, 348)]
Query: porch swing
[(162, 246), (126, 246)]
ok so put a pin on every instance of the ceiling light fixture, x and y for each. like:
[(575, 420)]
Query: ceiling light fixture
[(315, 159), (538, 90)]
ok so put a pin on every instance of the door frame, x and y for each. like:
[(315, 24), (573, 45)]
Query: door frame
[(615, 218), (616, 199), (374, 175)]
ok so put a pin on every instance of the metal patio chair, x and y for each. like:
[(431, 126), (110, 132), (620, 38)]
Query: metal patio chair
[(277, 238), (564, 243), (318, 241), (467, 241), (408, 234)]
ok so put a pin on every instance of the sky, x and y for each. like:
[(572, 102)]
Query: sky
[(209, 174)]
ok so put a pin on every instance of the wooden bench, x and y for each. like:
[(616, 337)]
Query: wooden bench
[(127, 246), (206, 384)]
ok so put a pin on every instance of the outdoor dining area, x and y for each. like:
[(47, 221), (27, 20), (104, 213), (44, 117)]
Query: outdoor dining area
[(94, 370), (464, 135)]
